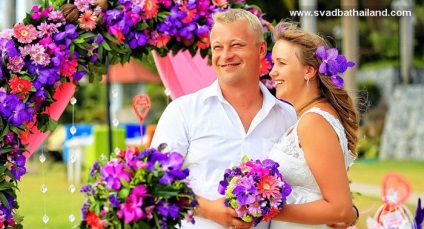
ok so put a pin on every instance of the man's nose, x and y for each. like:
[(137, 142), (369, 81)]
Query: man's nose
[(227, 53)]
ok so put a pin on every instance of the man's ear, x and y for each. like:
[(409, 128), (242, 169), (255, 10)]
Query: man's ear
[(263, 49)]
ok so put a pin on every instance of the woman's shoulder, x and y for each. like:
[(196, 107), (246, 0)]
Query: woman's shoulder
[(318, 119)]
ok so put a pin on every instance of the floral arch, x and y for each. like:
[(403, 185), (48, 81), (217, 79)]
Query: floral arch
[(58, 44)]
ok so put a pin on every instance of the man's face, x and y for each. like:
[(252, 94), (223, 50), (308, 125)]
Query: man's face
[(236, 52)]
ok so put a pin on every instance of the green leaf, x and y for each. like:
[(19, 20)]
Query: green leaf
[(18, 218), (6, 185), (100, 52), (245, 158), (4, 200), (72, 49), (6, 130), (143, 225), (123, 193), (106, 46)]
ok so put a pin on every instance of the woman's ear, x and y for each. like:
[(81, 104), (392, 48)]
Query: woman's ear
[(310, 72)]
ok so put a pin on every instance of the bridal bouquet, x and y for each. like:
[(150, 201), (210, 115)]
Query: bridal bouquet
[(138, 190), (255, 189)]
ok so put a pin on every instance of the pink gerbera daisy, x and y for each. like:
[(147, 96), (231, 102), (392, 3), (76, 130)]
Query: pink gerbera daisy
[(265, 66), (268, 186), (24, 33), (88, 20), (151, 9)]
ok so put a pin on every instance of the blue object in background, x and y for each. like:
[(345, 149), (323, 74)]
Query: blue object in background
[(133, 130), (82, 131)]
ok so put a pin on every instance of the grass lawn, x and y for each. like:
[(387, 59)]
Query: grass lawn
[(58, 202), (373, 172)]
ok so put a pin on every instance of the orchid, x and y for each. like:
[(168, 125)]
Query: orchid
[(332, 64), (255, 189), (138, 188), (419, 215)]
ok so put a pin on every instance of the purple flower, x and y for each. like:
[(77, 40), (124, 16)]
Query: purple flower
[(222, 186), (245, 191), (168, 209), (66, 36), (20, 114), (329, 65), (172, 167), (7, 48), (114, 200), (18, 171), (94, 168), (137, 40), (113, 175), (419, 216), (343, 63), (338, 81)]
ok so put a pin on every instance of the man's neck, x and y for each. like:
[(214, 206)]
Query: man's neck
[(247, 102)]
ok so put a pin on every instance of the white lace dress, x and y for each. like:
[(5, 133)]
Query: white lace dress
[(295, 170)]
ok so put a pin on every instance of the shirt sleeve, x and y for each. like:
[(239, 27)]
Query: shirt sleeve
[(172, 130)]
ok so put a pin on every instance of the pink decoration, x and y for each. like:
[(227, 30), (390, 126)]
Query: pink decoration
[(62, 96), (141, 105), (183, 74)]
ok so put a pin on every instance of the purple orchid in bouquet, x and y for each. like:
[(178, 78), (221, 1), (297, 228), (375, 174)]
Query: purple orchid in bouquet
[(332, 64), (419, 215), (139, 190), (255, 189)]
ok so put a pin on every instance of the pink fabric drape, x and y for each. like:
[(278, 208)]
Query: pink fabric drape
[(183, 74), (62, 96)]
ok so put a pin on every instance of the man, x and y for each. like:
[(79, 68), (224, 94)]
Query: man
[(233, 117)]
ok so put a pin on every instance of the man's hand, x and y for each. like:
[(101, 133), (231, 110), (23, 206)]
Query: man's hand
[(216, 211)]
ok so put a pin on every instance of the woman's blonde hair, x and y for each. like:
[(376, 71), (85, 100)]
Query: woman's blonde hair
[(307, 44), (233, 15)]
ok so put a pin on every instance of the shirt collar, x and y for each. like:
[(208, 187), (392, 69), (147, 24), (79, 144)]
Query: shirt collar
[(215, 91)]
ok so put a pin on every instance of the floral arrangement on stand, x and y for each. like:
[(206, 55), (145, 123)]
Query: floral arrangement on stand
[(255, 189), (66, 41), (139, 189)]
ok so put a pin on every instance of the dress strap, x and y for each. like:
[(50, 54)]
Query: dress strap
[(340, 131)]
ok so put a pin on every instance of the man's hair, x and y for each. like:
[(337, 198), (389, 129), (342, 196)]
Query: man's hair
[(233, 15)]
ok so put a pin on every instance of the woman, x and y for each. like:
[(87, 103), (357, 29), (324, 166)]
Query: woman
[(316, 152)]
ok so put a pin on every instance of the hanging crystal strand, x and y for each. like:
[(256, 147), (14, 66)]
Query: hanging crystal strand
[(42, 159), (115, 94), (73, 158)]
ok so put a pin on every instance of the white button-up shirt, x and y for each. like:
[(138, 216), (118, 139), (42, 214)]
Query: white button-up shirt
[(207, 129)]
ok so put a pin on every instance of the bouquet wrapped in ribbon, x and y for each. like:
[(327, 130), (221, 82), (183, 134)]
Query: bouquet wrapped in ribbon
[(255, 189), (138, 190)]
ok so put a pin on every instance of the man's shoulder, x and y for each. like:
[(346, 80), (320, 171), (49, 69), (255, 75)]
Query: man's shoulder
[(195, 97)]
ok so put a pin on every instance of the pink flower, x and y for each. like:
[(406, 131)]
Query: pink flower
[(268, 186), (24, 33), (15, 64), (222, 3), (151, 9), (131, 209), (6, 33), (88, 20), (265, 66)]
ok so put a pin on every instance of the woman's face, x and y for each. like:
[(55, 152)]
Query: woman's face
[(288, 73)]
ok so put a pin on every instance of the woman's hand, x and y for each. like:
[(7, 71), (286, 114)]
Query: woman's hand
[(216, 211)]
